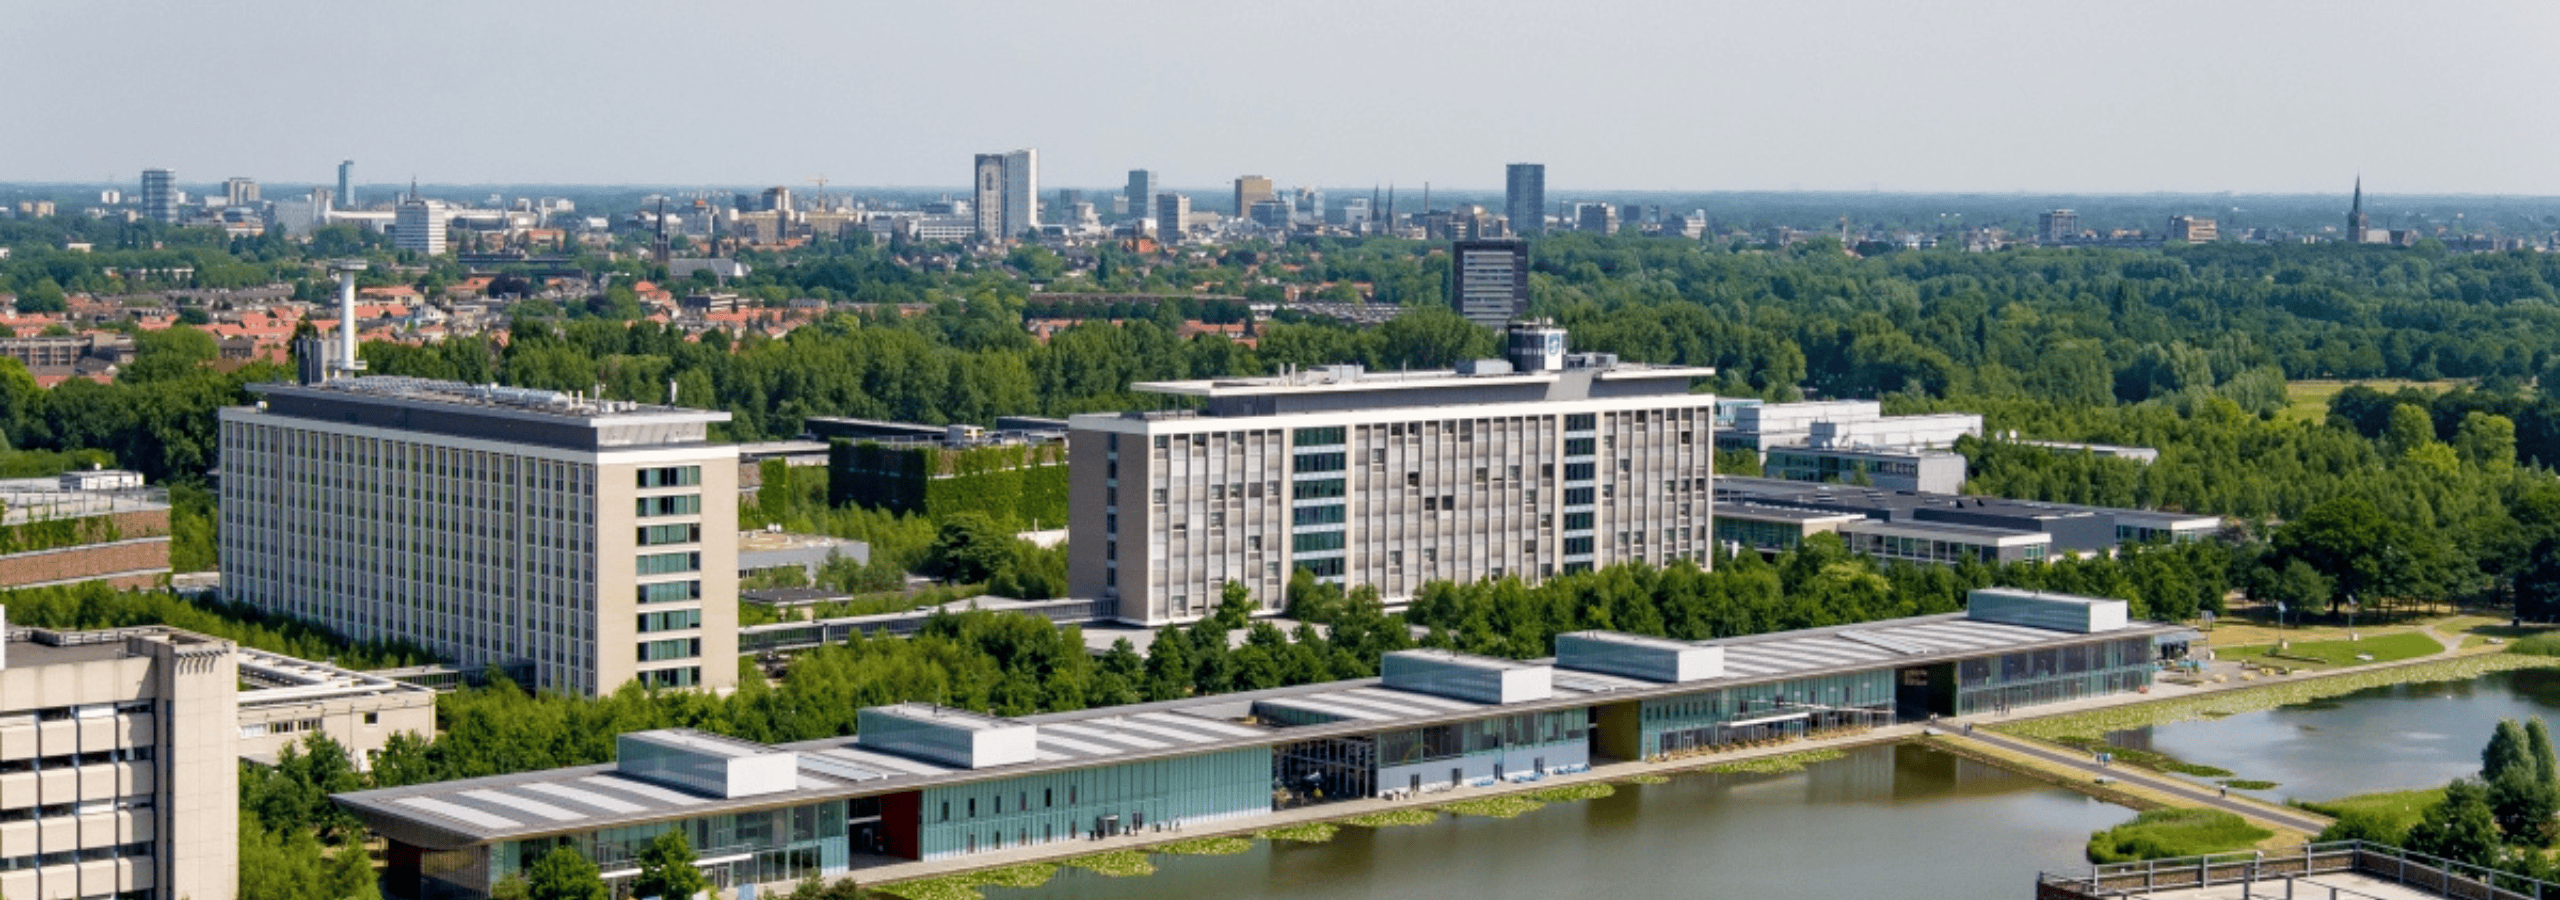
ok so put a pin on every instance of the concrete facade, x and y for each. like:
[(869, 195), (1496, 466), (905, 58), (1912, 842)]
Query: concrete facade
[(589, 541), (1555, 463), (117, 767)]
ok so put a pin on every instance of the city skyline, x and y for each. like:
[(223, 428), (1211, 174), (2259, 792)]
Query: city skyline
[(1907, 98)]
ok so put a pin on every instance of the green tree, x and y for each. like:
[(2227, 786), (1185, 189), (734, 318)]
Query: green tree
[(667, 870), (170, 353), (2546, 769), (2460, 827), (968, 548), (2506, 752), (563, 874)]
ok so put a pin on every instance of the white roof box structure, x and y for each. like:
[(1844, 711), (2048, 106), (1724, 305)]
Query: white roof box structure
[(1459, 676), (705, 763), (1637, 656), (949, 736), (2056, 612)]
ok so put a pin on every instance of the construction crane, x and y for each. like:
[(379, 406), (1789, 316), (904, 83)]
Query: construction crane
[(823, 204)]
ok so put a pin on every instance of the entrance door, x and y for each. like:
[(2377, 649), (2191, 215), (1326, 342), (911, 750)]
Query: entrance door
[(1457, 776), (1416, 786)]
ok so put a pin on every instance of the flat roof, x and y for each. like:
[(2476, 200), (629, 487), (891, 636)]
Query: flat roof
[(1468, 660), (1728, 509), (460, 813), (1933, 530), (944, 715), (1317, 381), (490, 398)]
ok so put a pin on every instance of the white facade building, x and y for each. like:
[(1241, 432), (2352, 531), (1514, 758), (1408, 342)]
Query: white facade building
[(591, 542), (1549, 462)]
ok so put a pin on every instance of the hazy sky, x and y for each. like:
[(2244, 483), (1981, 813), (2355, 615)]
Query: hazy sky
[(1907, 95)]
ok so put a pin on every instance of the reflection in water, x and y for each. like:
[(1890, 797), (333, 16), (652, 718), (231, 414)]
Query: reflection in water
[(2387, 738), (1897, 821)]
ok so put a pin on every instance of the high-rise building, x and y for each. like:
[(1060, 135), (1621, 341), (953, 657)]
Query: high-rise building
[(419, 225), (239, 191), (1546, 463), (2193, 230), (159, 195), (1597, 218), (1489, 281), (134, 739), (346, 184), (1250, 189), (1310, 205), (1525, 197), (1141, 192), (592, 542), (775, 199), (1007, 190), (1173, 217), (2056, 227)]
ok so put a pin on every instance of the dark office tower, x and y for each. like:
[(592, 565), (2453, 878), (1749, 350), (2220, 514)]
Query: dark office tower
[(1525, 197), (346, 184), (1141, 193), (1489, 281)]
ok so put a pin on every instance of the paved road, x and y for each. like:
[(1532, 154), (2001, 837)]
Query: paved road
[(2080, 762)]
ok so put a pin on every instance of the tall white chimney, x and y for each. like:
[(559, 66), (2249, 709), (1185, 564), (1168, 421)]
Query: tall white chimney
[(348, 364)]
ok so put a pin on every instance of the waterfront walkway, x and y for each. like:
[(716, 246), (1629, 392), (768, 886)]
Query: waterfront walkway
[(2078, 765)]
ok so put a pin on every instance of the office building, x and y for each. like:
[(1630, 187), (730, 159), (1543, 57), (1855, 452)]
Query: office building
[(239, 191), (1839, 424), (123, 772), (1173, 217), (1968, 527), (419, 225), (585, 542), (1141, 192), (775, 199), (1007, 194), (924, 782), (1597, 218), (159, 195), (1525, 197), (2057, 227), (1310, 206), (1489, 281), (1543, 463), (1891, 468), (2193, 230), (1250, 189), (346, 195)]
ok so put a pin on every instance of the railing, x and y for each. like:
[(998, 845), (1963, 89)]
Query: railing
[(2443, 877)]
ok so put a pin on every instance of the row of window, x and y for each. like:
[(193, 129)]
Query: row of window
[(74, 760), (678, 648), (1021, 801), (670, 476), (1316, 437), (671, 592), (664, 563), (1317, 515), (1333, 461), (681, 533), (68, 857), (671, 620), (670, 505), (83, 808), (1316, 541), (68, 713), (683, 677)]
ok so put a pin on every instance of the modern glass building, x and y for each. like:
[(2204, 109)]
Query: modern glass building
[(924, 782)]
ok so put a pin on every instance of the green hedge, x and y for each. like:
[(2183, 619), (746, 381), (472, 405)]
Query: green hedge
[(1019, 486), (2174, 832), (47, 534)]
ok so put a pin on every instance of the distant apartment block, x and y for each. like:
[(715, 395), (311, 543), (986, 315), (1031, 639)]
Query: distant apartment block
[(160, 195), (84, 526), (1007, 194), (419, 224), (1524, 197), (1249, 190), (1173, 217), (1543, 463), (589, 541), (1140, 194), (2193, 230), (1489, 281), (2057, 227)]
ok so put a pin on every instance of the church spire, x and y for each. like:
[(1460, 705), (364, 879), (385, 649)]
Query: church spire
[(2355, 214)]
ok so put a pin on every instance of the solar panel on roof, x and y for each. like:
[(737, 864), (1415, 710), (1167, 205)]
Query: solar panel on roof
[(574, 795), (521, 804), (457, 811), (1874, 639)]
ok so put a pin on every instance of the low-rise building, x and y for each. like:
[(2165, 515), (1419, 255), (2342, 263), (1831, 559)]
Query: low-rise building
[(101, 525)]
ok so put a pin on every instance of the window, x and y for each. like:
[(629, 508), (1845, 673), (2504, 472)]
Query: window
[(671, 620), (1580, 496), (671, 476), (1316, 541), (1581, 471), (1579, 422), (1577, 446), (673, 505), (682, 533), (1316, 489), (1320, 462), (1577, 521), (670, 591), (1316, 515), (663, 563), (1316, 437), (1576, 546), (679, 648)]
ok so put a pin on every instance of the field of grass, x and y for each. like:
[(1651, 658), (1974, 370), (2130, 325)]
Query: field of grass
[(2308, 400), (2165, 833), (2400, 808), (2330, 654)]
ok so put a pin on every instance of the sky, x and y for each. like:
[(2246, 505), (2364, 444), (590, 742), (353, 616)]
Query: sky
[(2252, 96)]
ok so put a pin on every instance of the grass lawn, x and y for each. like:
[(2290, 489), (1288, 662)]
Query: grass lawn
[(2165, 833), (2333, 653), (2308, 400), (2401, 808)]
